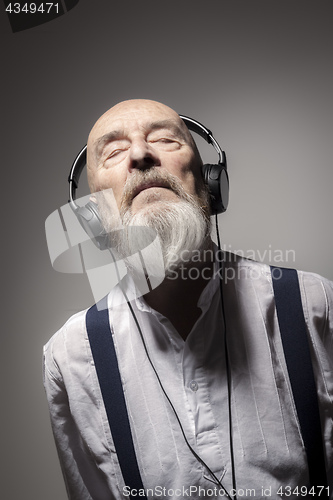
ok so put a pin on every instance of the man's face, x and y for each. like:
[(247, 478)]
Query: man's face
[(135, 137)]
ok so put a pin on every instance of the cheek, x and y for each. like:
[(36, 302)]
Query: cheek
[(188, 174), (105, 180)]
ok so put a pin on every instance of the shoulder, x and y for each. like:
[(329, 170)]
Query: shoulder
[(239, 268), (316, 293), (316, 290), (315, 284), (317, 297), (66, 343), (311, 283), (69, 347), (73, 327)]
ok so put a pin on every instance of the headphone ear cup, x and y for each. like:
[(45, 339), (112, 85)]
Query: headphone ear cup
[(89, 219), (217, 180)]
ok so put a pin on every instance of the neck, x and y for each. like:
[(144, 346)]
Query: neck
[(177, 296)]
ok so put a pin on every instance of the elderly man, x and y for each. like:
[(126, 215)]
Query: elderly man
[(208, 417)]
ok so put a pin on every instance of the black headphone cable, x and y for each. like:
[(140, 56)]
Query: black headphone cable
[(227, 363)]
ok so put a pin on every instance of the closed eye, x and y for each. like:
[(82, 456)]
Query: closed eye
[(114, 150), (114, 153), (165, 143), (163, 140)]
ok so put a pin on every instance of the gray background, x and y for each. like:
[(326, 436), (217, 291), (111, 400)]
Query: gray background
[(257, 72)]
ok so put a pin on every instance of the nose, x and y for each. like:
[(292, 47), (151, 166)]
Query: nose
[(143, 156)]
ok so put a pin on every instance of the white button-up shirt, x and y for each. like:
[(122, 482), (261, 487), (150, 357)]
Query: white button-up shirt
[(268, 451)]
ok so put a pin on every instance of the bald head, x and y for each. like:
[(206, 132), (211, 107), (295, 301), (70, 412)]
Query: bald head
[(136, 116)]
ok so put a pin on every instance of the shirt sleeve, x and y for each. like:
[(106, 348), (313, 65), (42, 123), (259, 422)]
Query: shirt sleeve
[(317, 296), (83, 479), (328, 339)]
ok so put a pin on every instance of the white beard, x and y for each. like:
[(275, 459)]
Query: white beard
[(182, 226)]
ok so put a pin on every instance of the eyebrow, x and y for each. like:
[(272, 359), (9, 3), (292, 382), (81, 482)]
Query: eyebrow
[(117, 134)]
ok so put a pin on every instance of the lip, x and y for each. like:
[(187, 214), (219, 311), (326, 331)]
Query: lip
[(148, 185)]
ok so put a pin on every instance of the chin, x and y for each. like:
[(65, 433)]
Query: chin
[(153, 199)]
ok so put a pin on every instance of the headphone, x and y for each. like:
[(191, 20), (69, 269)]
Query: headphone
[(214, 175)]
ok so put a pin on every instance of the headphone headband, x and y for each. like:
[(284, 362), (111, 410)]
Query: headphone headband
[(205, 133), (75, 174)]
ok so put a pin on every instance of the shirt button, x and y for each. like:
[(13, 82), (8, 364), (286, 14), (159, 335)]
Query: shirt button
[(194, 385)]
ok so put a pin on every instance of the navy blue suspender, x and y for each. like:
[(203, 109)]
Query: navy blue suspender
[(106, 364), (297, 354), (298, 359)]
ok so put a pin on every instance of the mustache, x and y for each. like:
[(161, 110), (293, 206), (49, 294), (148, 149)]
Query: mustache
[(153, 177)]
